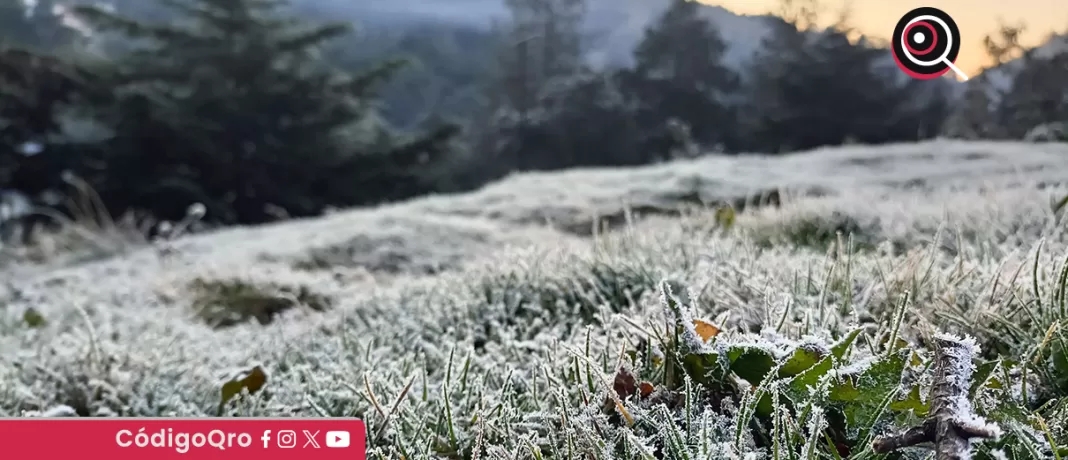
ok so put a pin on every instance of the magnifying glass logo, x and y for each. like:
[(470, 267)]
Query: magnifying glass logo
[(926, 43)]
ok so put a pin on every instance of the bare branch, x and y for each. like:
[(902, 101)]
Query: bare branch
[(912, 437), (951, 424)]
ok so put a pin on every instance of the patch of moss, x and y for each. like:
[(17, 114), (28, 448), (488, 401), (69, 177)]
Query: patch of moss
[(226, 303)]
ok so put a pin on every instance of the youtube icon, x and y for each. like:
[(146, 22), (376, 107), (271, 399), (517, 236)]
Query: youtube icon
[(337, 439)]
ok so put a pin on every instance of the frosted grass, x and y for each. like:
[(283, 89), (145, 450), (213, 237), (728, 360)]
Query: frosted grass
[(509, 345)]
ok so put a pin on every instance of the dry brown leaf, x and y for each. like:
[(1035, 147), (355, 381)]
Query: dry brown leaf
[(625, 384), (645, 389), (705, 329)]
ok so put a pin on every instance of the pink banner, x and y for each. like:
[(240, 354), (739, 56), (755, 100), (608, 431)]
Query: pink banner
[(201, 438)]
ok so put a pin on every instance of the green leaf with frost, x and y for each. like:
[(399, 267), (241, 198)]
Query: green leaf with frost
[(913, 402), (998, 403), (704, 368), (751, 363), (861, 395), (845, 391), (839, 349), (982, 376), (800, 360), (1059, 356), (810, 377)]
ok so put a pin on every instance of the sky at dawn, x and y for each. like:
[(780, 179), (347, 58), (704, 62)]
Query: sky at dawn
[(974, 18)]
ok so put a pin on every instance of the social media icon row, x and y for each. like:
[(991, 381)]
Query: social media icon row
[(287, 439)]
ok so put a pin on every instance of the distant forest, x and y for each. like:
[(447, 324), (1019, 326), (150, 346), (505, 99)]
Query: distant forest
[(259, 110)]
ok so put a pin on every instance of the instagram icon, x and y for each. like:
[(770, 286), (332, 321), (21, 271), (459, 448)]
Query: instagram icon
[(287, 439)]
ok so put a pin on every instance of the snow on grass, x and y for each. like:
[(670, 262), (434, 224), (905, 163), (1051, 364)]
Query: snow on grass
[(513, 328)]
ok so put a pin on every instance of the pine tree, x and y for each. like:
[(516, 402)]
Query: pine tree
[(1037, 96), (812, 88), (33, 83), (679, 75), (540, 53), (37, 91), (230, 105), (778, 92), (38, 25), (544, 45), (974, 115)]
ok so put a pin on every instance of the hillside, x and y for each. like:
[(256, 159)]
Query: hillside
[(415, 292)]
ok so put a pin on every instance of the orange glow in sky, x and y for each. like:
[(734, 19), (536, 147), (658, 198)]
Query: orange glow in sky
[(974, 18)]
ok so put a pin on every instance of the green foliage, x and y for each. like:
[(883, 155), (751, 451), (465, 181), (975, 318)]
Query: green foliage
[(857, 395), (244, 118)]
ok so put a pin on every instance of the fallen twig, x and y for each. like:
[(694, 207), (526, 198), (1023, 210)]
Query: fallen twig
[(951, 424)]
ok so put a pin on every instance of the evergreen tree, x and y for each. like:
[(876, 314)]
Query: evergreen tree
[(1034, 100), (778, 92), (679, 75), (37, 93), (974, 116), (38, 25), (541, 52), (230, 105), (1038, 95), (585, 121), (451, 64), (544, 46), (813, 88)]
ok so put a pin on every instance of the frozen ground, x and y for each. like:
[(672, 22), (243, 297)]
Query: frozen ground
[(507, 314)]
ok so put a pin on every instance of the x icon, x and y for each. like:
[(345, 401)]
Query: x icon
[(311, 439)]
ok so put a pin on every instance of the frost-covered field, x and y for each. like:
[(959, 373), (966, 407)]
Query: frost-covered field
[(494, 324)]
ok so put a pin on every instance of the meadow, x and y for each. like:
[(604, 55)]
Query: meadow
[(820, 305)]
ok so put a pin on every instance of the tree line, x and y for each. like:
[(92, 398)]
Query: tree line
[(257, 114)]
